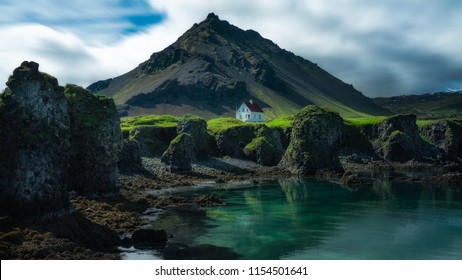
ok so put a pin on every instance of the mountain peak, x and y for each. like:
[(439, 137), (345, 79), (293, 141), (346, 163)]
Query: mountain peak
[(212, 16), (215, 65)]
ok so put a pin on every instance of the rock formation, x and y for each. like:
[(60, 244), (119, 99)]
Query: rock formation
[(35, 140), (445, 135), (96, 141), (178, 156), (53, 140), (197, 128), (315, 142)]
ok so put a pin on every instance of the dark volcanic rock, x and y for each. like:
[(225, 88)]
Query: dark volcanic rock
[(178, 156), (154, 140), (149, 237), (445, 135), (197, 128), (34, 144), (315, 142), (399, 147), (130, 157), (231, 141), (260, 151), (96, 141)]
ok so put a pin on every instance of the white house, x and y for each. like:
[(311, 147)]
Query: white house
[(250, 112)]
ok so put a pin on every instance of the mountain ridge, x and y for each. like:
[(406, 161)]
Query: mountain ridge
[(214, 66)]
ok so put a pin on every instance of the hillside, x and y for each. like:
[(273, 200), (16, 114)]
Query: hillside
[(214, 66), (425, 106)]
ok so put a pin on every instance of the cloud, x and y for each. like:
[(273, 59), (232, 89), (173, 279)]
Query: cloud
[(382, 47)]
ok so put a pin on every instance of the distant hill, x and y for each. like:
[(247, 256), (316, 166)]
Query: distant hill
[(214, 66), (425, 106)]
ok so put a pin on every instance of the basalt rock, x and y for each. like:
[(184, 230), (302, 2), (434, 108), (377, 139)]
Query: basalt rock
[(153, 140), (53, 140), (315, 142), (130, 156), (197, 128), (95, 143), (232, 141), (34, 144), (178, 156), (446, 135)]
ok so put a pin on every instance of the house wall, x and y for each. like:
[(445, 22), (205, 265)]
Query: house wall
[(244, 114)]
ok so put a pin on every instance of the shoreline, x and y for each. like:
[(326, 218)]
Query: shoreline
[(94, 229)]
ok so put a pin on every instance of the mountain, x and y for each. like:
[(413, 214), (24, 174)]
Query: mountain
[(214, 66), (425, 106)]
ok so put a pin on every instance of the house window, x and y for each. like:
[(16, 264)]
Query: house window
[(259, 117)]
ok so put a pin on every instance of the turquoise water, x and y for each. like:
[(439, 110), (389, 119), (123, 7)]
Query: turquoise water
[(309, 219)]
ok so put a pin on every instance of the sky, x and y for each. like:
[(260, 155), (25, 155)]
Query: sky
[(383, 48)]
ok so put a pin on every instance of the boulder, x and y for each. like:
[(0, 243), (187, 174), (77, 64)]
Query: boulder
[(315, 142), (34, 144), (149, 237), (231, 141), (130, 156), (399, 147), (260, 151), (96, 141), (178, 156), (446, 135), (153, 140), (196, 127)]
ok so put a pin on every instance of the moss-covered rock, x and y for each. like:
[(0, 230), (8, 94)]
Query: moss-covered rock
[(260, 151), (446, 135), (178, 156), (231, 141), (196, 127), (398, 147), (315, 141), (154, 140), (96, 141)]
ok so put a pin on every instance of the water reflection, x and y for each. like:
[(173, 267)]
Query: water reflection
[(309, 219)]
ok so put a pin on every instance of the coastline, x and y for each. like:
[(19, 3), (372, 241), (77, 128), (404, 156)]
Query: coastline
[(99, 226)]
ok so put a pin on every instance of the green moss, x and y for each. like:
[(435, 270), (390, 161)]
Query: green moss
[(220, 124), (394, 134), (180, 138), (283, 123), (365, 121), (149, 120), (192, 117), (425, 139), (87, 109)]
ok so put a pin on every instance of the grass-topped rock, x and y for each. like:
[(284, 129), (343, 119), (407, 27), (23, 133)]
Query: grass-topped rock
[(178, 156), (315, 141), (96, 141), (34, 144), (196, 127), (446, 135)]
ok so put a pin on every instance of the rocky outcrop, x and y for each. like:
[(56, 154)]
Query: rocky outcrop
[(149, 237), (153, 140), (53, 140), (315, 142), (96, 141), (232, 141), (178, 156), (34, 144), (197, 128), (130, 156), (266, 148), (446, 135)]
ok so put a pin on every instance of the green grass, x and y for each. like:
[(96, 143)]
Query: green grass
[(149, 120), (283, 122), (365, 121), (220, 124)]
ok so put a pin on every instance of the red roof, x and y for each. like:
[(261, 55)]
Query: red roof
[(253, 107)]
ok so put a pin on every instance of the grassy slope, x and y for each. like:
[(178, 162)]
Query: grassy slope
[(425, 106)]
